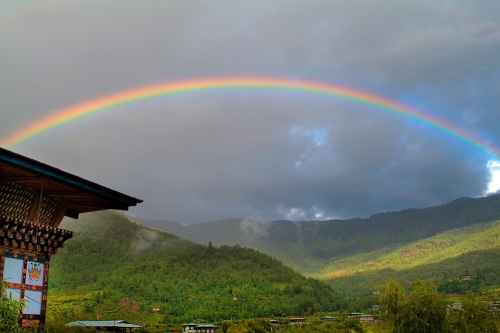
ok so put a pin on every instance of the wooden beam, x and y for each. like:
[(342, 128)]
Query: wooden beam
[(95, 204), (64, 194), (20, 179), (34, 207), (61, 212)]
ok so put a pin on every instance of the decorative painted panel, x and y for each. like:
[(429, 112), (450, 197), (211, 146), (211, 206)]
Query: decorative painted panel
[(13, 270), (26, 276)]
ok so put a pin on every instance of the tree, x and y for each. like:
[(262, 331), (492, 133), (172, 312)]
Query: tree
[(10, 309), (473, 317), (420, 310), (306, 307)]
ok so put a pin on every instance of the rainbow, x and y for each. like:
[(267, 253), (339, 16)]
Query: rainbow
[(72, 113)]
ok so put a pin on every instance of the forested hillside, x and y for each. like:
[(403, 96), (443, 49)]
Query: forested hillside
[(449, 244), (308, 246), (441, 243), (458, 261), (116, 267), (477, 271)]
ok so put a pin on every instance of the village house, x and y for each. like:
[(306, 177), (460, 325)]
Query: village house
[(327, 317), (198, 328), (362, 317), (297, 321), (495, 306), (119, 326)]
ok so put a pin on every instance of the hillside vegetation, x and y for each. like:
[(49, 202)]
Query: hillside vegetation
[(355, 255), (308, 245), (115, 267), (446, 245)]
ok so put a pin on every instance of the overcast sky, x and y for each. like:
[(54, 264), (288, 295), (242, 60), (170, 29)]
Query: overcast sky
[(251, 154)]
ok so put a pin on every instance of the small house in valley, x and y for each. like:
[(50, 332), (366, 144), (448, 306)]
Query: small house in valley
[(199, 328), (362, 317), (495, 306), (297, 320), (119, 326)]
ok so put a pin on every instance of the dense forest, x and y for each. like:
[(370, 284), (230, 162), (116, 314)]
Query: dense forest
[(115, 264), (444, 243), (309, 246)]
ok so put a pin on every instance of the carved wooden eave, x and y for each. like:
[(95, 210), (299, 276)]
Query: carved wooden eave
[(24, 236), (38, 193)]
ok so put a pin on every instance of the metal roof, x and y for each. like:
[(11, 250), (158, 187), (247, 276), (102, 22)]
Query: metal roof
[(82, 195), (103, 323)]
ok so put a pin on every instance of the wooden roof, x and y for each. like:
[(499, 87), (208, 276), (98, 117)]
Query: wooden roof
[(80, 195)]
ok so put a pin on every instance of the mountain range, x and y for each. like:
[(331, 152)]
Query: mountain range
[(341, 248), (119, 267)]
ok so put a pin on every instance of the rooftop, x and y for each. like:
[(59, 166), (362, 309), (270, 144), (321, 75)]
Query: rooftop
[(103, 323), (81, 195)]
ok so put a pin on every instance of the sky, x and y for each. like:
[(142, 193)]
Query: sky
[(260, 153)]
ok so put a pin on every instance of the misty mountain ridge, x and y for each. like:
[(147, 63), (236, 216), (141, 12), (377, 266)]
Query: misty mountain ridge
[(308, 246)]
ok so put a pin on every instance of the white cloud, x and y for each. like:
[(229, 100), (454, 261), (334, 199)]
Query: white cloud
[(494, 184), (313, 213)]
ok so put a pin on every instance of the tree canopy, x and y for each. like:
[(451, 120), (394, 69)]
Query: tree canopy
[(422, 309)]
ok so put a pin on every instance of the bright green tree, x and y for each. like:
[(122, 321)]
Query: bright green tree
[(10, 309), (473, 317), (422, 309)]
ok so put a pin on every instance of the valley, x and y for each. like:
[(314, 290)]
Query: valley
[(118, 267)]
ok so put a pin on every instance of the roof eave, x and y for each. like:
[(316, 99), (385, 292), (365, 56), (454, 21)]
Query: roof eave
[(57, 175)]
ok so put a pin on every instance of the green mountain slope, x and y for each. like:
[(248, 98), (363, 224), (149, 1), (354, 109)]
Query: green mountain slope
[(308, 246), (482, 269), (354, 256), (446, 245), (446, 258), (115, 267)]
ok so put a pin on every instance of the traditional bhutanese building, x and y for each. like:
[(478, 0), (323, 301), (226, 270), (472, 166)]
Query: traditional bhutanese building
[(199, 328), (34, 198)]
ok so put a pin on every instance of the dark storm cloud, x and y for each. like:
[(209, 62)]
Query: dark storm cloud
[(261, 156)]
